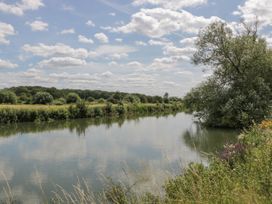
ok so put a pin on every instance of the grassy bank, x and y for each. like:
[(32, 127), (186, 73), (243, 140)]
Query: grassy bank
[(39, 113)]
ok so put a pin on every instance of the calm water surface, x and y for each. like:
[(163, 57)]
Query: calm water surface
[(145, 150)]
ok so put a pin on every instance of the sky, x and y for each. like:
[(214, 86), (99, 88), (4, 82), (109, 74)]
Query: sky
[(140, 46)]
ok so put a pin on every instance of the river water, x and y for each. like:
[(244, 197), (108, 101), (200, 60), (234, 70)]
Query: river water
[(35, 158)]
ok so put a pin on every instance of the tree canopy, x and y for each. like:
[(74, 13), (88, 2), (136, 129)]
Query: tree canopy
[(239, 92)]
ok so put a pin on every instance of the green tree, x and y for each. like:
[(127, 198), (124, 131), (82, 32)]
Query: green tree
[(73, 98), (240, 90), (166, 98), (43, 98), (8, 97)]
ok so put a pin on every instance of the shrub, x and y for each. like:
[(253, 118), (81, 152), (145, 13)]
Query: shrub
[(42, 98), (101, 100), (59, 101), (90, 99), (8, 97), (73, 98)]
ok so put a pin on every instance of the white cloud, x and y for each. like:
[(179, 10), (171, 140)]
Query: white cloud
[(188, 41), (112, 14), (101, 37), (177, 51), (135, 64), (83, 39), (5, 30), (107, 74), (161, 42), (90, 23), (19, 8), (38, 25), (58, 49), (108, 28), (112, 63), (67, 31), (170, 4), (119, 40), (59, 62), (158, 22), (112, 51), (262, 9), (7, 64), (140, 43)]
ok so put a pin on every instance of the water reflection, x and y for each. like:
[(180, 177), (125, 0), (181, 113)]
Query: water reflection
[(208, 140), (145, 149)]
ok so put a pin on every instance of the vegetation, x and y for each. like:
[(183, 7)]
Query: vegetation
[(42, 98), (39, 113), (26, 95), (7, 97), (240, 90), (73, 98)]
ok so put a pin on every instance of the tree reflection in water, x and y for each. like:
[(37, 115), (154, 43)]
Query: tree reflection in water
[(209, 140)]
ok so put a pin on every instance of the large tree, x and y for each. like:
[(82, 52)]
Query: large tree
[(240, 90)]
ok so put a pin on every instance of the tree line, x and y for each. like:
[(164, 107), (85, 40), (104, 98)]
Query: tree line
[(44, 95)]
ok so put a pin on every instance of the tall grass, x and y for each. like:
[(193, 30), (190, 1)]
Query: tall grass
[(39, 113)]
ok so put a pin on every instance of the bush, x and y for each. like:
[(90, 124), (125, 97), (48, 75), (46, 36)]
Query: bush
[(90, 99), (42, 98), (8, 97), (60, 101), (73, 98), (101, 100)]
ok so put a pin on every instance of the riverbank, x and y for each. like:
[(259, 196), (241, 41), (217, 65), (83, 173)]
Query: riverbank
[(41, 113)]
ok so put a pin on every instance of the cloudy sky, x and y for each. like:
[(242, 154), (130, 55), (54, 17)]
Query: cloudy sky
[(127, 45)]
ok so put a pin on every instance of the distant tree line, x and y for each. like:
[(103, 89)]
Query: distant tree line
[(44, 95)]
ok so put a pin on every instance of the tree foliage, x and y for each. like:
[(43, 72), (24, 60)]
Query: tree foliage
[(8, 97), (240, 90), (73, 98), (43, 98)]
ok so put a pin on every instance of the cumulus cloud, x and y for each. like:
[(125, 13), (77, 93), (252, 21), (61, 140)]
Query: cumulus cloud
[(58, 49), (19, 8), (5, 30), (112, 51), (119, 40), (59, 62), (83, 39), (7, 64), (256, 8), (170, 4), (67, 31), (101, 37), (135, 64), (177, 51), (90, 23), (158, 22), (140, 43), (161, 42), (38, 25), (188, 41)]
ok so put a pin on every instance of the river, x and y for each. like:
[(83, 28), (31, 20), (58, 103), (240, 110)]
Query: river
[(147, 150)]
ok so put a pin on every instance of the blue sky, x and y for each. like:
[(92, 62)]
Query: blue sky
[(126, 45)]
